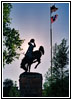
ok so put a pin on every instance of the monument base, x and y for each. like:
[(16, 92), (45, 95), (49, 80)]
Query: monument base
[(30, 84)]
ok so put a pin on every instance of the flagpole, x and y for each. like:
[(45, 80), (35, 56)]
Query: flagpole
[(51, 42), (52, 19)]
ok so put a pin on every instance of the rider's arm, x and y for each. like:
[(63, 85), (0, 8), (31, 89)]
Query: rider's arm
[(34, 45)]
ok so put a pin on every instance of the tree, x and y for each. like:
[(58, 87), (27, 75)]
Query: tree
[(10, 89), (60, 72), (7, 85), (14, 92), (11, 38), (60, 60)]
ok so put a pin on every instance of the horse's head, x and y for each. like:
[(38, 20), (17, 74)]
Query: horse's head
[(41, 49)]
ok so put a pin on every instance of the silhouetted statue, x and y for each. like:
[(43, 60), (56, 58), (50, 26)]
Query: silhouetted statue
[(32, 58)]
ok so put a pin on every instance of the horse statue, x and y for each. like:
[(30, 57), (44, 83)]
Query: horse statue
[(36, 57)]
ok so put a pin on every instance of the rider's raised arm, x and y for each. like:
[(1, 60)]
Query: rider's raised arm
[(34, 45)]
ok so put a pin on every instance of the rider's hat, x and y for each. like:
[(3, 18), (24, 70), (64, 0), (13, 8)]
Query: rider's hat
[(32, 40)]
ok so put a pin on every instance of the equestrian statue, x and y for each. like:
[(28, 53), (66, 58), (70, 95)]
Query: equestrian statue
[(32, 56)]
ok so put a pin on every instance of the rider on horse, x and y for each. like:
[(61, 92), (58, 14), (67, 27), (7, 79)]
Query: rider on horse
[(32, 56)]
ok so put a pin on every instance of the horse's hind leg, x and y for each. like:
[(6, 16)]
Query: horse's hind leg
[(25, 69), (29, 67)]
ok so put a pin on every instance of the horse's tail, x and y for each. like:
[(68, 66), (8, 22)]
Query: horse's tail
[(22, 65)]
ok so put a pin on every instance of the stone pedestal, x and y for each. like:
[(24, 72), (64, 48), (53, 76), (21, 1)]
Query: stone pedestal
[(30, 84)]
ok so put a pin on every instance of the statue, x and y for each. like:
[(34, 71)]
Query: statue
[(32, 56)]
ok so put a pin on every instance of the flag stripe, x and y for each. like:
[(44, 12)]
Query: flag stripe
[(53, 18)]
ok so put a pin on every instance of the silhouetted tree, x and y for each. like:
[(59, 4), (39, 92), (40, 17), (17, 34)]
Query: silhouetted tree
[(14, 92), (60, 72), (7, 84), (11, 37), (10, 89)]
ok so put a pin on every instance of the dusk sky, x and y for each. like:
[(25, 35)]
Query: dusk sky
[(33, 21)]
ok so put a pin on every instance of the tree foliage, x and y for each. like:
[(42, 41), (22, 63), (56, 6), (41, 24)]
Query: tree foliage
[(60, 60), (11, 37), (10, 89), (59, 85), (7, 83)]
